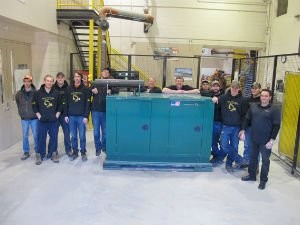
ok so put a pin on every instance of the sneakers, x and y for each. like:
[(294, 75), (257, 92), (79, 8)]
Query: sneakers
[(38, 159), (217, 163), (229, 168), (74, 156), (244, 165), (25, 156), (49, 155), (213, 160), (54, 157), (98, 152), (241, 166), (248, 178), (83, 157), (69, 153), (262, 185)]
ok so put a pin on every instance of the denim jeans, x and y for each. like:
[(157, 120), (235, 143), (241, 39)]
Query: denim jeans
[(77, 126), (66, 130), (217, 151), (247, 145), (230, 144), (99, 123), (45, 128), (265, 156), (26, 125)]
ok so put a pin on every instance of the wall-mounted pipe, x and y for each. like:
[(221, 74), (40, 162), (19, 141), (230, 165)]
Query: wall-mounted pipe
[(215, 52), (116, 13)]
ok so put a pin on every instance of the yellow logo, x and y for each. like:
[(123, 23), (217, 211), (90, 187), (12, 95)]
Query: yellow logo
[(48, 102), (232, 106), (75, 96)]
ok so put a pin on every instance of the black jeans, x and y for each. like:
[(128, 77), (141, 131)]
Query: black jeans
[(265, 156)]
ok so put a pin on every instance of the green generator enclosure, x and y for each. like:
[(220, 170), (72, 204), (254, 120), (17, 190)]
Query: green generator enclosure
[(159, 131)]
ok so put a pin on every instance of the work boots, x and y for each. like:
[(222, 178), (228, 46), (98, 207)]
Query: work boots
[(38, 159), (54, 157)]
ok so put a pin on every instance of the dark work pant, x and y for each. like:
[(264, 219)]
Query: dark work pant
[(66, 130), (52, 129), (265, 155)]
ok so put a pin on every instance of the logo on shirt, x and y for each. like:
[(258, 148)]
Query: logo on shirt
[(48, 102), (232, 106), (75, 97)]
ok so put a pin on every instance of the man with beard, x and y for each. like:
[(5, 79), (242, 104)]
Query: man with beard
[(77, 110)]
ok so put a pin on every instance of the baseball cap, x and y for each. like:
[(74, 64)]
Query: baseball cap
[(235, 83), (256, 84), (215, 82), (27, 77), (204, 81)]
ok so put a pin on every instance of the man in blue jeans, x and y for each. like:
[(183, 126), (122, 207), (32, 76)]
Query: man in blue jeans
[(61, 86), (76, 112), (47, 106), (28, 118), (99, 112), (233, 108), (217, 152)]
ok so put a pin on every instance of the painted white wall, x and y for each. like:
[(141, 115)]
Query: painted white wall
[(34, 23), (51, 52), (39, 14), (220, 23), (284, 32)]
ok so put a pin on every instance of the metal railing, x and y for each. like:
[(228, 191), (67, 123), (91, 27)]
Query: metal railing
[(80, 4)]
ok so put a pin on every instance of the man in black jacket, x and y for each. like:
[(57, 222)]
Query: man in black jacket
[(61, 86), (265, 124), (76, 112), (28, 118), (99, 112), (254, 98), (47, 106)]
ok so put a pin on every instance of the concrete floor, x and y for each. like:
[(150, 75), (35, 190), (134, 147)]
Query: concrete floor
[(71, 193)]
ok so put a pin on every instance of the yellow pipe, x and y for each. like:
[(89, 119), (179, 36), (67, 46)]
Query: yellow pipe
[(91, 47), (99, 52), (91, 58), (58, 4)]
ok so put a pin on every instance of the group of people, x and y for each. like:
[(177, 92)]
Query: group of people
[(253, 120), (55, 104)]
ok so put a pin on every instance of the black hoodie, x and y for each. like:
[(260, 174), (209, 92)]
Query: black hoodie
[(99, 99), (233, 108), (62, 91), (47, 104), (78, 101)]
